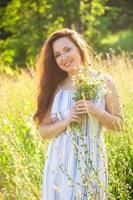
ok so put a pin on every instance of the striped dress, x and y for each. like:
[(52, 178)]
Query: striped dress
[(76, 164)]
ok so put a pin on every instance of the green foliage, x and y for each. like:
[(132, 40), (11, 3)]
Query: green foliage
[(120, 160), (29, 24), (25, 25), (21, 149), (119, 41), (92, 21)]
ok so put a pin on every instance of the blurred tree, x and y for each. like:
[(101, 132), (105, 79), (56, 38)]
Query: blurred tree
[(92, 16), (120, 14), (26, 24)]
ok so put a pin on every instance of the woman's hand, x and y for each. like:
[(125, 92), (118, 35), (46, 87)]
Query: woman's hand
[(73, 116), (81, 107), (84, 106)]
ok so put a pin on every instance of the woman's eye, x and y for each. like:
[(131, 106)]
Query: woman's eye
[(56, 56), (68, 49)]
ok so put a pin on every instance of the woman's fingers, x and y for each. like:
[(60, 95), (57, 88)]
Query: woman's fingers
[(80, 110), (74, 119), (82, 102), (80, 107), (77, 118)]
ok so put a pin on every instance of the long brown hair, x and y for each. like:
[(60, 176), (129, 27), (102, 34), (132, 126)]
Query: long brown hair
[(50, 75)]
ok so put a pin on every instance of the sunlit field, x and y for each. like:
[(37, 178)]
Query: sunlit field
[(23, 153)]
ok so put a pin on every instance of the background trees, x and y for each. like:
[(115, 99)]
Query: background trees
[(25, 25)]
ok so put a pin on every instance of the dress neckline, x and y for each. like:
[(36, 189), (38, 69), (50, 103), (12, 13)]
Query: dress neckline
[(61, 88), (67, 89)]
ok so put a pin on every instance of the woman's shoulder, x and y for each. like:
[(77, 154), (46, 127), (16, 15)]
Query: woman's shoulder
[(109, 81), (57, 90), (95, 73), (47, 119), (106, 76)]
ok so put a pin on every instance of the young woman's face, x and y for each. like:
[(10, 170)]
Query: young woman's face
[(67, 55)]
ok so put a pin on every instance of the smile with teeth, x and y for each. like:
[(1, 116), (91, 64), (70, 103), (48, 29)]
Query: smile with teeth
[(68, 63)]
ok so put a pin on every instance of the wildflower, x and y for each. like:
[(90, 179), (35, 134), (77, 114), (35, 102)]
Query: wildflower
[(87, 89)]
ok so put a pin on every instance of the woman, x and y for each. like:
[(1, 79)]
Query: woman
[(70, 174)]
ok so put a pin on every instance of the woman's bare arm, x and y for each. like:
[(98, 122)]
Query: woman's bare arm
[(49, 129), (112, 118), (53, 129)]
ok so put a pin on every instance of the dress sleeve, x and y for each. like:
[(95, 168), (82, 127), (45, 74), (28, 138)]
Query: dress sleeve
[(58, 113), (58, 116)]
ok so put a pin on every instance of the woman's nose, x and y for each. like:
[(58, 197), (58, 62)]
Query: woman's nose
[(63, 57)]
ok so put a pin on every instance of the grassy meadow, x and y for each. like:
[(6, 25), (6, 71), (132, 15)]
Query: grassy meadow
[(23, 153)]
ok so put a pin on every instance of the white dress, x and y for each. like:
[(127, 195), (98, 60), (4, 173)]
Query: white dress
[(76, 166)]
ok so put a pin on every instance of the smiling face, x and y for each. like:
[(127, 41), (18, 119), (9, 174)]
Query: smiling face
[(67, 55)]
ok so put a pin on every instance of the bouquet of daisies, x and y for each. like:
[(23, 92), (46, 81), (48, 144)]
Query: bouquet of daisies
[(87, 89)]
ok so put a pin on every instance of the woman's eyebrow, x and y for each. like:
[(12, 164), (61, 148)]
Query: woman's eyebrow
[(65, 47)]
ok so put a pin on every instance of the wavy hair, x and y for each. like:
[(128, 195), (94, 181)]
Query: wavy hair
[(49, 74)]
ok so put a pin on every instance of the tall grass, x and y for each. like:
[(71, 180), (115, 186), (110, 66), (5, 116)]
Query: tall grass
[(120, 145), (23, 153)]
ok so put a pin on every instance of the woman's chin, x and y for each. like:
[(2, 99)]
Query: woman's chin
[(72, 71)]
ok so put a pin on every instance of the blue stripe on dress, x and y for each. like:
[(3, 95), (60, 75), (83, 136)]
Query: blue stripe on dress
[(61, 106)]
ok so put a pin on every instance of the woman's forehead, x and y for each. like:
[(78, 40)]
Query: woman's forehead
[(62, 43)]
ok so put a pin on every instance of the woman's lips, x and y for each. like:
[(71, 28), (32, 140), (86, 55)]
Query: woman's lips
[(68, 63)]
